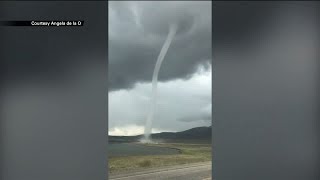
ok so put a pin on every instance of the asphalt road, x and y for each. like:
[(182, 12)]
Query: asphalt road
[(199, 171)]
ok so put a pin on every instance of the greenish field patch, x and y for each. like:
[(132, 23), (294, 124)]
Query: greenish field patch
[(189, 153)]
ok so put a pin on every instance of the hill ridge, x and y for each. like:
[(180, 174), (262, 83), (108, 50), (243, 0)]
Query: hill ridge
[(202, 133)]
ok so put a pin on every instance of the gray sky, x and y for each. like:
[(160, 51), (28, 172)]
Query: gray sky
[(137, 31)]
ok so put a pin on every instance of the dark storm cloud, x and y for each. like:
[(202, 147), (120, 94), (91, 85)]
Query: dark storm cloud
[(137, 32), (154, 20)]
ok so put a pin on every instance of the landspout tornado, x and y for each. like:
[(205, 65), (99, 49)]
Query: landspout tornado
[(163, 52)]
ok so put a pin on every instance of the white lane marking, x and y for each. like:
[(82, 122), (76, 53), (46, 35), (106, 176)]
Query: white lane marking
[(209, 178)]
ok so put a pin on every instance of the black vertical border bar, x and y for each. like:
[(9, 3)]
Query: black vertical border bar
[(317, 125), (107, 94)]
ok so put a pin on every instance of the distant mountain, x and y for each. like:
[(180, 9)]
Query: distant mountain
[(198, 134)]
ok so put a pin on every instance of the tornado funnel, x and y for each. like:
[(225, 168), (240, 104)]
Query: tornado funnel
[(148, 127)]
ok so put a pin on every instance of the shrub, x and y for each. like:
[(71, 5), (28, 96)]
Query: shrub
[(145, 163)]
